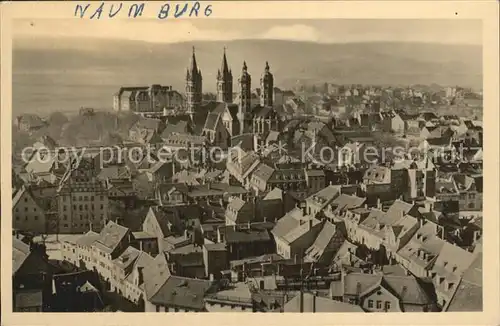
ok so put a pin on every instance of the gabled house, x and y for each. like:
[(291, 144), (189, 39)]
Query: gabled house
[(320, 200), (393, 123), (171, 194), (240, 212), (295, 232), (382, 293), (471, 196), (221, 123), (326, 245), (28, 212)]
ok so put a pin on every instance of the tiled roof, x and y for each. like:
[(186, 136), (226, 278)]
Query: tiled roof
[(88, 239), (237, 204), (344, 201), (469, 294), (20, 251), (163, 216), (288, 222), (181, 292), (406, 288), (325, 195), (264, 171), (276, 193), (294, 225), (156, 274), (114, 172), (110, 236), (126, 258), (318, 250), (245, 234), (211, 122)]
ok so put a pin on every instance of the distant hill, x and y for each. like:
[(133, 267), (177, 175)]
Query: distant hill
[(62, 74)]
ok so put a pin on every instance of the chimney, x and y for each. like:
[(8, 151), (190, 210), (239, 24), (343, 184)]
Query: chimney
[(310, 224), (249, 224), (315, 293), (379, 205), (295, 259), (366, 206)]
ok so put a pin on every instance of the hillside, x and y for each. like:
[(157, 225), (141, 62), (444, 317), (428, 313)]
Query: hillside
[(54, 74)]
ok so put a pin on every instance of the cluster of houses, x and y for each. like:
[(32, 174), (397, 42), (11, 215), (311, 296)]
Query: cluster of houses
[(264, 229)]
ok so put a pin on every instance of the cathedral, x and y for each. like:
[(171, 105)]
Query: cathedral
[(224, 118)]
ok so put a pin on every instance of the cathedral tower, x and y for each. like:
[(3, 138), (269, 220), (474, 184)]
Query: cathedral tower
[(266, 87), (193, 87), (245, 100), (224, 82)]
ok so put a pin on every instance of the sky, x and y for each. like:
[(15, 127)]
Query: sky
[(448, 31)]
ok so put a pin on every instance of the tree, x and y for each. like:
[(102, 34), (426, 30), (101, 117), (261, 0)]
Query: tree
[(57, 119)]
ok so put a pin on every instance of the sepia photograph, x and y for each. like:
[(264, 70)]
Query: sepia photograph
[(290, 165)]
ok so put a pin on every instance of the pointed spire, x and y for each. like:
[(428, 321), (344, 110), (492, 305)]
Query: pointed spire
[(224, 67), (194, 66), (267, 66), (244, 66)]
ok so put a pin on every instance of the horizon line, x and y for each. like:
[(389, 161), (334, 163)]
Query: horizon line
[(324, 42)]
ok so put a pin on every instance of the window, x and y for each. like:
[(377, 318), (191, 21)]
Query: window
[(25, 200), (157, 308), (36, 218), (379, 304), (370, 303), (176, 309), (64, 208), (102, 197), (387, 305), (26, 209)]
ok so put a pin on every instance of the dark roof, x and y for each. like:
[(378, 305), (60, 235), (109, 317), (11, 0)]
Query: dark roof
[(239, 234), (181, 292), (75, 281)]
